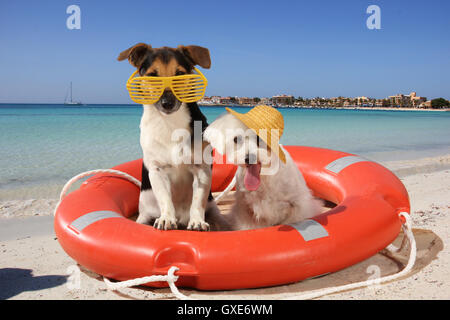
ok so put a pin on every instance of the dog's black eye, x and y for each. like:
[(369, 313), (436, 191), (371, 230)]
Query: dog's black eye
[(180, 73), (153, 74), (238, 139)]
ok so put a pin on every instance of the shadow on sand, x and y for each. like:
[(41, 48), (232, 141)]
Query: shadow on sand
[(14, 281)]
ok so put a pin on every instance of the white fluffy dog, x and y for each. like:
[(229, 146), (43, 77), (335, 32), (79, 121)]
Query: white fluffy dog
[(268, 191)]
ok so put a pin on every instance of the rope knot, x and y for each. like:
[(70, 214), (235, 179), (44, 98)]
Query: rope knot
[(171, 274)]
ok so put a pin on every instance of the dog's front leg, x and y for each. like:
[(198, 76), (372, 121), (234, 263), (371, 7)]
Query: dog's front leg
[(201, 187), (161, 188)]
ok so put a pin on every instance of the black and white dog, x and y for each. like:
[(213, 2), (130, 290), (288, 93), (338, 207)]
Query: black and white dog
[(173, 194)]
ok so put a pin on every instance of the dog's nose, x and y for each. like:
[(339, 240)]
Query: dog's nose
[(167, 100), (250, 159)]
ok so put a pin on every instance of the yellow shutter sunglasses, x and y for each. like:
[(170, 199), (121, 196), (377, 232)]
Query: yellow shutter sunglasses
[(148, 90)]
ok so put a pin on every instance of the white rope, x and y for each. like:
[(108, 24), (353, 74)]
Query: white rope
[(393, 249), (170, 278), (408, 234), (227, 189), (69, 183)]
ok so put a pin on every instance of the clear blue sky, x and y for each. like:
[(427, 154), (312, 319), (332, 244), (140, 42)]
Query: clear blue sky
[(258, 48)]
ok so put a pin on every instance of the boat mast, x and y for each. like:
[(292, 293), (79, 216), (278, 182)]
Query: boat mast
[(70, 91)]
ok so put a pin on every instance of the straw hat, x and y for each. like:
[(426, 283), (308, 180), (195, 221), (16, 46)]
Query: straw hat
[(267, 122)]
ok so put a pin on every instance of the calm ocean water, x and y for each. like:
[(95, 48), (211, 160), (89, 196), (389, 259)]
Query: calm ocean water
[(42, 146)]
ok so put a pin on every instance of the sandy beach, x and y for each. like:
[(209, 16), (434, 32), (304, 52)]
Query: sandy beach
[(34, 266)]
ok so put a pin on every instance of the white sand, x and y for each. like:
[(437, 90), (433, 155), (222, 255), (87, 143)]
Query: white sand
[(34, 266)]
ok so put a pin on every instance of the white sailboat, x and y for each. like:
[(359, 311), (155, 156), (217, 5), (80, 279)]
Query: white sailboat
[(71, 102)]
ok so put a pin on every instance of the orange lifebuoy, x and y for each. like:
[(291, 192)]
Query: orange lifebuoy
[(92, 226)]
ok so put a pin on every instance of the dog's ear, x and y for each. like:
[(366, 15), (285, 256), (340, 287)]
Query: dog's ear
[(136, 54), (198, 55)]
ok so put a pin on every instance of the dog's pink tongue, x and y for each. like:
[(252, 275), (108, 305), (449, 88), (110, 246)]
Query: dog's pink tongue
[(251, 178)]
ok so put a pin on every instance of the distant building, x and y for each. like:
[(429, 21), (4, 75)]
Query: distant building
[(379, 103), (425, 104), (245, 100), (205, 100), (336, 101), (362, 101), (399, 100), (266, 101), (411, 100), (415, 100), (225, 100), (215, 99), (283, 99)]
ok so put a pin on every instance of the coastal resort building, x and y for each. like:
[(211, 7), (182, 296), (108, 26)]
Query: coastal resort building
[(283, 100), (416, 101), (411, 100), (339, 101), (379, 103), (205, 100), (399, 100), (215, 99), (266, 101), (225, 100), (362, 101), (245, 100), (425, 105)]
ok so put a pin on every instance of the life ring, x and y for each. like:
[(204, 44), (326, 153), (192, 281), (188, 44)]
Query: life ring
[(92, 227)]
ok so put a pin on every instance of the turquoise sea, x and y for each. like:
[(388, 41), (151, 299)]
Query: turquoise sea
[(42, 146)]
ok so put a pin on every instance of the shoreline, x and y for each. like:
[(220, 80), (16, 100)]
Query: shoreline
[(387, 109), (328, 107), (44, 205), (239, 106), (431, 160)]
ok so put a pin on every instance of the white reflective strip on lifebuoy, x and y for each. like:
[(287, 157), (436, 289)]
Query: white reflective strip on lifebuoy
[(91, 217), (337, 165), (310, 229)]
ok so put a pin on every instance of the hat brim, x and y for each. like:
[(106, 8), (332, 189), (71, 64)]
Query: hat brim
[(252, 124)]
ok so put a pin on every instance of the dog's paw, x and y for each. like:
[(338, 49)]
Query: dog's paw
[(198, 225), (165, 223), (145, 219)]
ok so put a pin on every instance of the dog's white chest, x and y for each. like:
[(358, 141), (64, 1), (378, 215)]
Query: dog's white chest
[(160, 133)]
